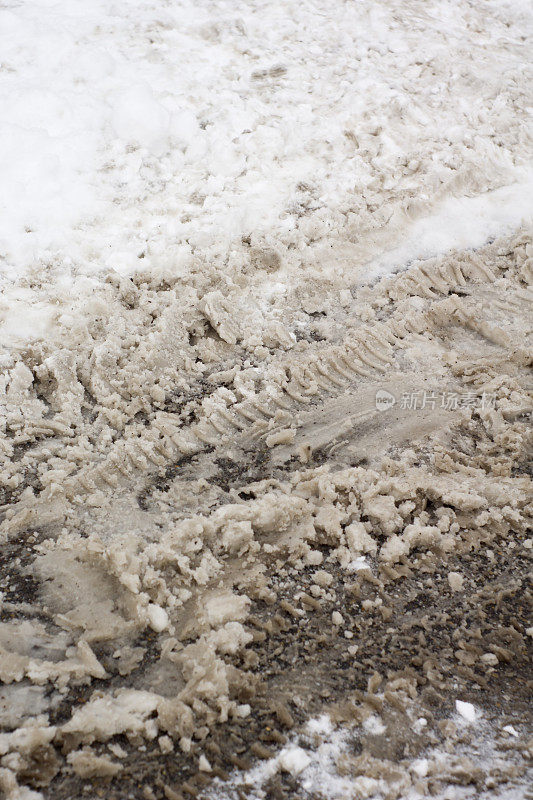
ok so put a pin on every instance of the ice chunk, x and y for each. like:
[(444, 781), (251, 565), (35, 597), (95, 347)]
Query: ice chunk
[(466, 710), (157, 617), (294, 760)]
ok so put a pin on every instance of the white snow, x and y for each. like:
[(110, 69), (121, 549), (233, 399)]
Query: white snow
[(157, 617), (358, 563), (466, 710), (337, 618), (420, 724), (142, 136), (320, 725), (420, 767), (294, 760), (374, 725), (462, 222)]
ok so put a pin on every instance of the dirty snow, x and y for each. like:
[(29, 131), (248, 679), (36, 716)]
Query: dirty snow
[(323, 764), (226, 229)]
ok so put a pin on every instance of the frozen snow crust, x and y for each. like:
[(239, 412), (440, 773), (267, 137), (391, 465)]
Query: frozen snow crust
[(265, 399)]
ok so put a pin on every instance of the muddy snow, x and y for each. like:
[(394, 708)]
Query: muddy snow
[(265, 402)]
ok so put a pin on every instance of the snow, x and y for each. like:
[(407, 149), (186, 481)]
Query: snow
[(456, 581), (337, 618), (203, 764), (466, 710), (510, 730), (263, 146), (420, 767), (225, 607), (157, 617), (462, 222), (420, 724), (319, 756), (149, 137), (319, 725), (315, 769), (374, 725), (106, 717), (294, 760)]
